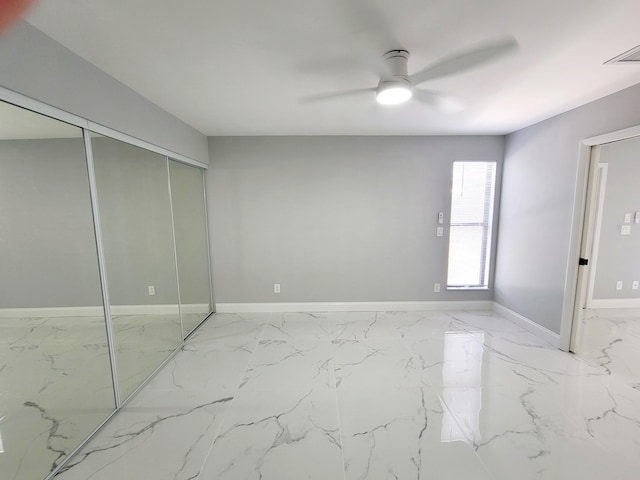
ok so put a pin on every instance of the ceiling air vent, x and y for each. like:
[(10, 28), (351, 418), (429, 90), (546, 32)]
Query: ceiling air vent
[(627, 58)]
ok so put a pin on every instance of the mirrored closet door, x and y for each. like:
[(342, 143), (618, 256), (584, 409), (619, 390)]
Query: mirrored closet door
[(132, 186), (55, 375), (190, 224), (104, 271)]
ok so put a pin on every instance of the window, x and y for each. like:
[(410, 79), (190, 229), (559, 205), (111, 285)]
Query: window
[(470, 228)]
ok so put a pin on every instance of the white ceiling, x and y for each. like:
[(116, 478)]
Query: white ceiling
[(240, 67)]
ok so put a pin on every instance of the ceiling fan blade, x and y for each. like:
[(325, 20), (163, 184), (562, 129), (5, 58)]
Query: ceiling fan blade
[(466, 59), (335, 95), (441, 101)]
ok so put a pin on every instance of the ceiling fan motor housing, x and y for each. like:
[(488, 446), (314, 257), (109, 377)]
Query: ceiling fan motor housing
[(396, 86), (396, 63)]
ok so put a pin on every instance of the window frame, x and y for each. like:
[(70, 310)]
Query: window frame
[(484, 272)]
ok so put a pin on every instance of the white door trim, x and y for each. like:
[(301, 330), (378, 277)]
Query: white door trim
[(577, 229)]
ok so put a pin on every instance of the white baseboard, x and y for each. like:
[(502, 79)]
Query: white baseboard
[(351, 306), (52, 312), (196, 308), (542, 332), (170, 309), (614, 303), (97, 311)]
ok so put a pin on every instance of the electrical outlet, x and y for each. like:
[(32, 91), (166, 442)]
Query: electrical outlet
[(635, 284), (276, 288), (619, 285), (436, 288), (152, 290), (627, 218), (439, 231), (625, 230)]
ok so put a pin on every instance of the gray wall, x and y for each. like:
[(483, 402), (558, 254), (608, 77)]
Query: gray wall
[(36, 66), (618, 255), (47, 246), (334, 218), (538, 206)]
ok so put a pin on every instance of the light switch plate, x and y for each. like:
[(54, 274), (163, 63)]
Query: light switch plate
[(627, 218)]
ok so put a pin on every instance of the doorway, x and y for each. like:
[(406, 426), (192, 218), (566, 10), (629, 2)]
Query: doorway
[(608, 278)]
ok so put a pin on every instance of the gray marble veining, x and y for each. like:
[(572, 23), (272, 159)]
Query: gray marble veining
[(380, 395)]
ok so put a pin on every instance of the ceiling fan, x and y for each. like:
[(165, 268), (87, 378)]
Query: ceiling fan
[(397, 86)]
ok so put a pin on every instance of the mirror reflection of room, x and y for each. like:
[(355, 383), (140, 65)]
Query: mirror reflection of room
[(189, 218), (105, 271), (135, 215), (55, 378)]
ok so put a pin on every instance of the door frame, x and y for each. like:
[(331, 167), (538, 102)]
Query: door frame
[(582, 231)]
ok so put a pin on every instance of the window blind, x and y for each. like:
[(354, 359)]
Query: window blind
[(472, 195)]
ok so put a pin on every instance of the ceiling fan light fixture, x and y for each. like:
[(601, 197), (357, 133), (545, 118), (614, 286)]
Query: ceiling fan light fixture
[(393, 93)]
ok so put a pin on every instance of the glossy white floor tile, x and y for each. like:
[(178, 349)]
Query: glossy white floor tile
[(381, 395), (403, 433), (287, 433), (611, 338)]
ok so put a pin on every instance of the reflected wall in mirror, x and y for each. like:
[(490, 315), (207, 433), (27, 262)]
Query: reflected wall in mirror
[(55, 375), (132, 187), (189, 218)]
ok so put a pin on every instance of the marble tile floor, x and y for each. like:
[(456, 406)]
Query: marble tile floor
[(56, 385), (350, 396)]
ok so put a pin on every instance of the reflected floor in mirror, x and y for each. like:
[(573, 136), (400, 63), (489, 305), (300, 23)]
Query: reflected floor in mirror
[(55, 381), (55, 388), (440, 395), (142, 343)]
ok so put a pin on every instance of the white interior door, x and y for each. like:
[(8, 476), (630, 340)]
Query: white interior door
[(600, 192), (586, 248)]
